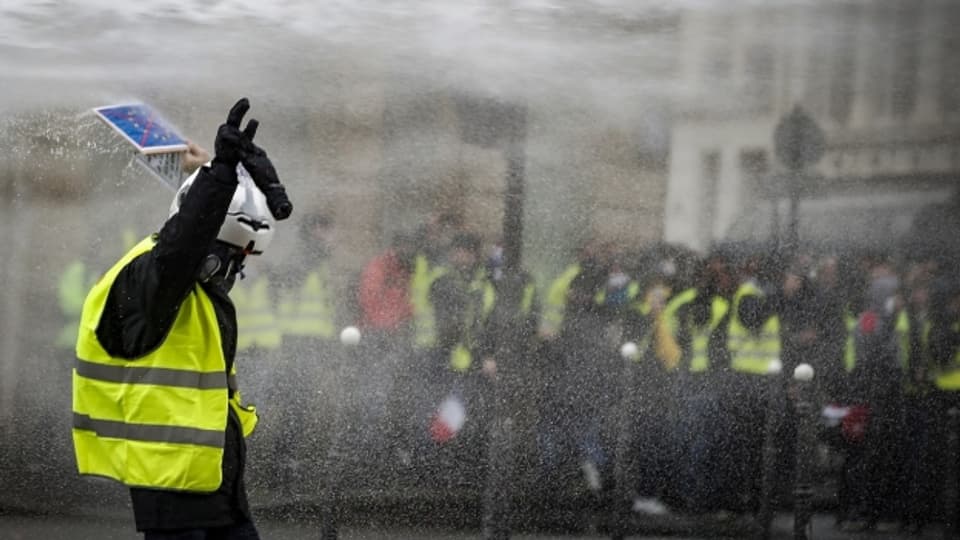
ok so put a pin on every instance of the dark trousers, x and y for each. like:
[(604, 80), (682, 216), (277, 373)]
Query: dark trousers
[(239, 531), (922, 453)]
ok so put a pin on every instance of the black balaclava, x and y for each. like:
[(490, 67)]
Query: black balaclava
[(221, 266)]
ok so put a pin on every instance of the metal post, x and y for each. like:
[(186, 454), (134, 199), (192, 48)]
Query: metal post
[(793, 233), (497, 496), (331, 493), (620, 510), (769, 451), (805, 454), (951, 528)]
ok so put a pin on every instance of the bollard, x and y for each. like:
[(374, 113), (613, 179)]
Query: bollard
[(496, 494), (951, 528), (331, 494), (805, 454), (620, 511), (769, 464)]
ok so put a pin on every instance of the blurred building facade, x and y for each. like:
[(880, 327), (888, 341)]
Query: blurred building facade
[(882, 80)]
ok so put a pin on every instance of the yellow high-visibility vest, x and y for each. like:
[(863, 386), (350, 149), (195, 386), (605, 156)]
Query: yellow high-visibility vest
[(850, 346), (309, 311), (461, 357), (256, 321), (157, 421), (752, 352), (424, 323), (699, 335), (948, 378), (555, 304)]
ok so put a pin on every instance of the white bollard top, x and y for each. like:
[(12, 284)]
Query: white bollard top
[(350, 336), (629, 350), (803, 373)]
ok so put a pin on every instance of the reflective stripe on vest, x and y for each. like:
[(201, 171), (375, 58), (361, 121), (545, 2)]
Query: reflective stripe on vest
[(309, 311), (699, 336), (256, 321), (902, 329), (850, 346), (461, 357), (700, 359), (949, 378), (555, 304), (752, 352), (157, 421), (529, 294), (425, 326)]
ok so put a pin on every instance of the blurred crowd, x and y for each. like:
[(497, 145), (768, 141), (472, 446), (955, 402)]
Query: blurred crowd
[(662, 370)]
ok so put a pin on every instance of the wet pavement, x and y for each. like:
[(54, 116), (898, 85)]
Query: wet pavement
[(32, 527)]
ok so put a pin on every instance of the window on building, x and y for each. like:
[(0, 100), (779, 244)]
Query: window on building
[(844, 64), (759, 77), (817, 74), (709, 179), (717, 56), (880, 60), (755, 169), (950, 63), (905, 59)]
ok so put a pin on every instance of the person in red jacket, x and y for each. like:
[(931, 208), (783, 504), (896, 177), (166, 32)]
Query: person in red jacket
[(384, 375), (384, 294)]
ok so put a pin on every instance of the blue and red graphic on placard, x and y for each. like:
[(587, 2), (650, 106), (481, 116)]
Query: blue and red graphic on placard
[(142, 127)]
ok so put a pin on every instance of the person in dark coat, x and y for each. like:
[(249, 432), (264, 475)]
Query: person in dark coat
[(218, 217)]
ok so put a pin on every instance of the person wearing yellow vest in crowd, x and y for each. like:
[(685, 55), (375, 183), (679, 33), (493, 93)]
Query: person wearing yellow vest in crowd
[(648, 440), (429, 264), (259, 340), (385, 376), (510, 370), (919, 494), (800, 310), (697, 318), (877, 383), (944, 350), (585, 372), (302, 369), (463, 299), (155, 399), (753, 344)]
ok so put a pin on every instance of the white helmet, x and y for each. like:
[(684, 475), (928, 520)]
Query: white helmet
[(249, 224)]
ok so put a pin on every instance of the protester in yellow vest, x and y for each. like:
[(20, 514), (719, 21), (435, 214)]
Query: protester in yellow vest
[(698, 318), (155, 399), (462, 300), (307, 308)]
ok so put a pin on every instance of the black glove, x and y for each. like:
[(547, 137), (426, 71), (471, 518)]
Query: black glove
[(264, 175), (233, 146), (231, 142)]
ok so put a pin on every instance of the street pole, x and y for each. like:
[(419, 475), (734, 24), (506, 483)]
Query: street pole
[(769, 451), (793, 233), (331, 494), (805, 453), (620, 508), (798, 143), (498, 495)]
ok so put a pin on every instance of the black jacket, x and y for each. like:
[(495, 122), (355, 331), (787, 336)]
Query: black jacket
[(142, 306)]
